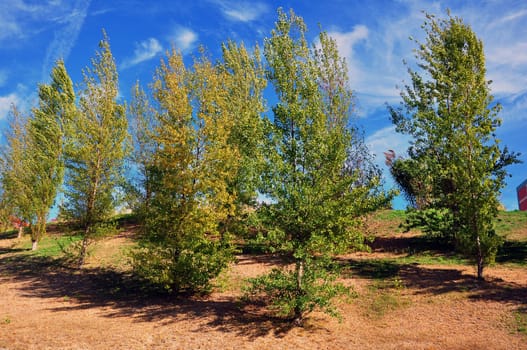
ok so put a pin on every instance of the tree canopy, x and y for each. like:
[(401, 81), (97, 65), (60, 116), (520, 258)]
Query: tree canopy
[(449, 111)]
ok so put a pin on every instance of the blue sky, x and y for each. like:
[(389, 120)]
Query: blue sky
[(372, 36)]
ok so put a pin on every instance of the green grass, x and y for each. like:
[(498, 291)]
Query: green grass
[(384, 296), (520, 318), (390, 215), (509, 222), (512, 225), (51, 246)]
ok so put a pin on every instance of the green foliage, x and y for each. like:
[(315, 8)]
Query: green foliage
[(95, 148), (16, 190), (188, 264), (185, 242), (46, 131), (449, 112), (33, 167), (142, 116), (407, 174), (520, 318), (317, 182), (434, 222), (285, 298), (244, 80)]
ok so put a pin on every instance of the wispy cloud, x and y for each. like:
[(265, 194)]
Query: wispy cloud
[(66, 35), (376, 49), (373, 76), (514, 109), (345, 41), (183, 38), (387, 139), (504, 37), (144, 51), (6, 102), (509, 17), (14, 15), (242, 11)]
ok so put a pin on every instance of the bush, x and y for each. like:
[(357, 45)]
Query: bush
[(190, 267), (290, 299)]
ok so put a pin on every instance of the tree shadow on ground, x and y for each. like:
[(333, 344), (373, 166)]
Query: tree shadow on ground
[(411, 245), (122, 294), (8, 234), (512, 252), (435, 281)]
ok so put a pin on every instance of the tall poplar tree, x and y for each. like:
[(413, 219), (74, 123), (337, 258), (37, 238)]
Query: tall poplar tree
[(245, 81), (15, 175), (143, 120), (317, 193), (182, 246), (449, 111), (46, 132), (97, 146)]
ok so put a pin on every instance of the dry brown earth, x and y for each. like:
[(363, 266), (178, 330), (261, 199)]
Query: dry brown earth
[(414, 307)]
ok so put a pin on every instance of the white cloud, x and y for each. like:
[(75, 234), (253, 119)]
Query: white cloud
[(502, 30), (507, 18), (184, 39), (386, 139), (66, 35), (22, 21), (514, 109), (144, 51), (12, 18), (345, 41), (376, 49), (242, 11), (6, 102)]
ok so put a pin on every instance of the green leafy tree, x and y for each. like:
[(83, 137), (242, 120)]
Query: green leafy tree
[(449, 112), (406, 173), (318, 193), (183, 247), (33, 167), (245, 82), (96, 148), (46, 134), (143, 120), (16, 188)]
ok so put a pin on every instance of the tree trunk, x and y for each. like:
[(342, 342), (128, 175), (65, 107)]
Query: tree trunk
[(84, 248), (34, 244), (20, 231), (480, 260), (298, 316)]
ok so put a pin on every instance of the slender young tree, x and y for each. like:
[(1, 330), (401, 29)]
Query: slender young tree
[(97, 146), (46, 134), (143, 121), (449, 112), (317, 199), (15, 175), (183, 247), (245, 81)]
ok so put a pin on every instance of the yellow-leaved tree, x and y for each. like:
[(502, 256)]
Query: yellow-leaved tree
[(183, 247)]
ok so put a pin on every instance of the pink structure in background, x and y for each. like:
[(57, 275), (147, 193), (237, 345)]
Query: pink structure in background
[(522, 196)]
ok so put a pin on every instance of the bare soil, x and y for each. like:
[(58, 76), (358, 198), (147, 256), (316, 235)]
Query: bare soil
[(412, 306)]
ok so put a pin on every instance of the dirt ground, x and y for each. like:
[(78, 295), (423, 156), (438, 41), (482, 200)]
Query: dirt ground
[(414, 307)]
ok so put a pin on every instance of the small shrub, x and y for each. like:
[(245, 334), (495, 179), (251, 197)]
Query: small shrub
[(190, 268), (521, 322), (292, 301)]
